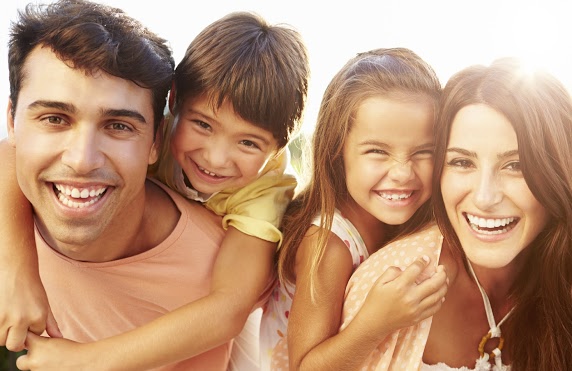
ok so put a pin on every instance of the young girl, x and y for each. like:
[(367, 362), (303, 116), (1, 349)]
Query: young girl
[(372, 165), (503, 205), (228, 151)]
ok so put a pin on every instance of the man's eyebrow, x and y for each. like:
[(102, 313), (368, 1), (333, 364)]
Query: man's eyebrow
[(67, 107), (125, 113), (70, 108)]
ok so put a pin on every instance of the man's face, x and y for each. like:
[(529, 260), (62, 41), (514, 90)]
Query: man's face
[(83, 143)]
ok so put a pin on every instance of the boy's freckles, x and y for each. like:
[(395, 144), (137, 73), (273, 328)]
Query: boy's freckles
[(81, 135)]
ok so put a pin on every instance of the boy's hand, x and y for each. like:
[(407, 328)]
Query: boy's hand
[(401, 299), (24, 307), (46, 354)]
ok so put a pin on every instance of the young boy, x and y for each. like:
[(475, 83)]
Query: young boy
[(237, 99)]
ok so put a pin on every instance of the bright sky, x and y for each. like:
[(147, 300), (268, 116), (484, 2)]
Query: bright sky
[(449, 34)]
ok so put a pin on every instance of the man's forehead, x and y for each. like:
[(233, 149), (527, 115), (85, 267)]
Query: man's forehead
[(48, 78)]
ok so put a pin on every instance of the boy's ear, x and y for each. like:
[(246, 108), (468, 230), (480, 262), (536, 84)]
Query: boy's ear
[(172, 98), (10, 123)]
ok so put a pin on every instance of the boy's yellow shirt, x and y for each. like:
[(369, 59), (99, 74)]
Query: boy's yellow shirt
[(257, 208)]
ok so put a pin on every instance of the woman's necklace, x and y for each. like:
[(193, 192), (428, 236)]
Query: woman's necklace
[(483, 363)]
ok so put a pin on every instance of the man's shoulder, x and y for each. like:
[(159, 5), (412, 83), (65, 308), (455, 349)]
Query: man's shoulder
[(194, 216)]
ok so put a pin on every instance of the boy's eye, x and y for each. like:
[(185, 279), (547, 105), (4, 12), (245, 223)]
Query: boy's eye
[(249, 143), (202, 124)]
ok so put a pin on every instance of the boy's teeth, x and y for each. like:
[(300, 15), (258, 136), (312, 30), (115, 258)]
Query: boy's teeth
[(206, 171), (395, 196)]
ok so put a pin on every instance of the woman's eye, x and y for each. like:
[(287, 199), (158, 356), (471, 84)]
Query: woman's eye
[(514, 166), (462, 163)]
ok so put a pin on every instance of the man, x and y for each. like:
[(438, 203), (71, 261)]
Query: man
[(87, 90)]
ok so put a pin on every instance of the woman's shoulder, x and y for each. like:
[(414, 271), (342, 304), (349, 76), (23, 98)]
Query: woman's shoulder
[(399, 253)]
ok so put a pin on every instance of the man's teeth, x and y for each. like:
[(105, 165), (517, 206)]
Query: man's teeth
[(71, 196), (395, 196), (478, 224)]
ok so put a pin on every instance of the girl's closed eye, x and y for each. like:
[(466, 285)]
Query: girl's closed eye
[(423, 154)]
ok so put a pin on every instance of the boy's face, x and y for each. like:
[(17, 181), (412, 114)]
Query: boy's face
[(83, 143), (218, 149)]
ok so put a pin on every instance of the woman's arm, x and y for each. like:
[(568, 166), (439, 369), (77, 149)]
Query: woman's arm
[(242, 272), (24, 305)]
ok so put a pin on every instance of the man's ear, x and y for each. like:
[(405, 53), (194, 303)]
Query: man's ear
[(157, 143), (172, 97), (10, 123)]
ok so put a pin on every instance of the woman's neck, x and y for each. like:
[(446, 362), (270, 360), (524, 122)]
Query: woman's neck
[(498, 283)]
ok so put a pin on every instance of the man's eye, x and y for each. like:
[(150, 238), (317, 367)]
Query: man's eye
[(120, 126)]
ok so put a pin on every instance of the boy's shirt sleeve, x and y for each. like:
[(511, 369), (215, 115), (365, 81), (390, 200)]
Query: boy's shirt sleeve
[(257, 208)]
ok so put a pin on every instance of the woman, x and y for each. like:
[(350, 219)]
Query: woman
[(503, 204)]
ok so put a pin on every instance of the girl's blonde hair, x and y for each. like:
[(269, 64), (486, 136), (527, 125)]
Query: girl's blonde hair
[(397, 73)]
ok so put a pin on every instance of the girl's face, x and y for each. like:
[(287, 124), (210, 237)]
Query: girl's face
[(487, 200), (388, 157)]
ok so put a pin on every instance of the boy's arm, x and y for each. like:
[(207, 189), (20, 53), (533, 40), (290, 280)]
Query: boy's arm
[(242, 272), (24, 304)]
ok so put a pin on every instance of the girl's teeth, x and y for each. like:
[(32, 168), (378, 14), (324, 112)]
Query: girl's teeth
[(394, 196)]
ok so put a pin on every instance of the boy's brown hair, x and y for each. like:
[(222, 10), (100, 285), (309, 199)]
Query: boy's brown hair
[(262, 69)]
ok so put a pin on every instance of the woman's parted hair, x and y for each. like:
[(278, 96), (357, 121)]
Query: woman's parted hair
[(92, 37), (539, 332), (395, 73)]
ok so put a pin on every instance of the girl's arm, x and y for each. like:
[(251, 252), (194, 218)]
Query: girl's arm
[(242, 272), (314, 342), (24, 305)]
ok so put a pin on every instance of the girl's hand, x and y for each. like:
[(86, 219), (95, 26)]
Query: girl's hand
[(401, 299)]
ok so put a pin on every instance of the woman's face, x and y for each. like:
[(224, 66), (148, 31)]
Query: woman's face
[(487, 200)]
